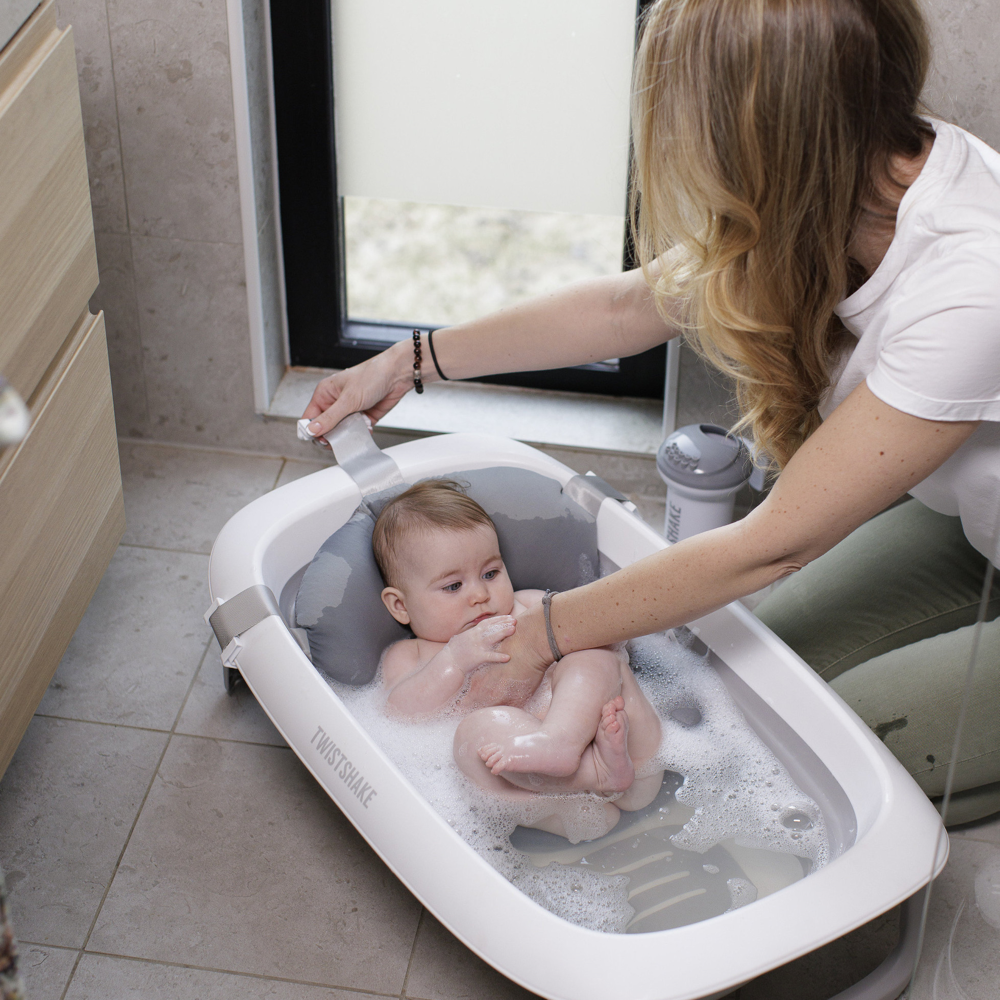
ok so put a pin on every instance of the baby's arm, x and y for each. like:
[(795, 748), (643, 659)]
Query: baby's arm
[(422, 676)]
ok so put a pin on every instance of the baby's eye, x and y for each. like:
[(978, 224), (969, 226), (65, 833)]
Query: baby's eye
[(452, 587), (489, 574)]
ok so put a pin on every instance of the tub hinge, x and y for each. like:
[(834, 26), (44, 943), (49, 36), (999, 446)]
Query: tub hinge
[(231, 618), (590, 491)]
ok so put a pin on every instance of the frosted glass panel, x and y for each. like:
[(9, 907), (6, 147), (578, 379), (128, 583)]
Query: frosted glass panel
[(517, 104)]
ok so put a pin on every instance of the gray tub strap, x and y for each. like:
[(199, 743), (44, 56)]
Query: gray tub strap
[(590, 492), (242, 612), (361, 458)]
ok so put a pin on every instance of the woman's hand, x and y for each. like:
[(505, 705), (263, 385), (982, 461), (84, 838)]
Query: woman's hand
[(374, 387)]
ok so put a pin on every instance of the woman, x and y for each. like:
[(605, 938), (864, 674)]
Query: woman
[(839, 256)]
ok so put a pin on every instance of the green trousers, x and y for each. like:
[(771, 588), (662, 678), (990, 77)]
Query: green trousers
[(886, 617)]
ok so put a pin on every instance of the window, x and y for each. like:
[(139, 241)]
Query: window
[(482, 159)]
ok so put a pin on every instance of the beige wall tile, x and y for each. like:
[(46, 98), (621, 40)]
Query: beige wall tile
[(132, 658), (102, 977), (67, 803), (180, 498), (89, 21), (212, 711), (964, 83), (45, 970), (193, 316), (442, 968), (239, 862), (116, 296), (175, 109)]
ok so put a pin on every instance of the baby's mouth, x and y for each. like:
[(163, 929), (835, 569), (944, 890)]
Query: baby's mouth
[(481, 618)]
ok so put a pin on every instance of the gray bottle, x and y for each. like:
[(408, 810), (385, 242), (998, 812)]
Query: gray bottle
[(704, 467)]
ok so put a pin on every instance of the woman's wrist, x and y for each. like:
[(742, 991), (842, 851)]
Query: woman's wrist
[(533, 635)]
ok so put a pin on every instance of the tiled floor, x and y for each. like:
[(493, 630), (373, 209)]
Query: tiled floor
[(161, 841)]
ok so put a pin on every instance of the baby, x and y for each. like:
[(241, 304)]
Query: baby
[(439, 556)]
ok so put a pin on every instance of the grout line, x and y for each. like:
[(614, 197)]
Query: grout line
[(98, 722), (161, 732), (135, 821), (215, 450), (413, 951), (234, 972), (284, 462), (161, 548)]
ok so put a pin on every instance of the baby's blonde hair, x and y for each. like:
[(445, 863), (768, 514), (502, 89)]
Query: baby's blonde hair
[(434, 503)]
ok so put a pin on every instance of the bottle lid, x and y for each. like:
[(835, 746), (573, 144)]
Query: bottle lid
[(704, 456)]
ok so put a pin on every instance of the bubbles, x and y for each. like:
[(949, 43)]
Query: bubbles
[(741, 892), (736, 786), (732, 781)]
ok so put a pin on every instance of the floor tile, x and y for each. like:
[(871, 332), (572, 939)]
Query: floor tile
[(295, 469), (67, 803), (211, 711), (179, 498), (100, 977), (987, 829), (829, 970), (442, 968), (133, 656), (961, 954), (241, 863), (45, 970)]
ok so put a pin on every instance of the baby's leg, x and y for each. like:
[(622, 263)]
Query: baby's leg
[(583, 684), (573, 817), (604, 767)]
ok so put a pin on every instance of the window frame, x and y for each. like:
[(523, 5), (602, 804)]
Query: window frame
[(312, 224)]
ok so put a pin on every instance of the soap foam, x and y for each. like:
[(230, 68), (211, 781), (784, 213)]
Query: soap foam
[(733, 782)]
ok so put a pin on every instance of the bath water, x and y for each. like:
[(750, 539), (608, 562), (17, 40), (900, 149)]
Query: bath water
[(728, 826)]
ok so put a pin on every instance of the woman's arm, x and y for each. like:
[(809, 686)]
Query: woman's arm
[(865, 456), (585, 322)]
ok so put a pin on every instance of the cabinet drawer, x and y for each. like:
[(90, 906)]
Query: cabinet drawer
[(48, 259), (61, 517)]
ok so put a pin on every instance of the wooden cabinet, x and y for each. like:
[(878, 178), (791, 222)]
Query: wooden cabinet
[(61, 511)]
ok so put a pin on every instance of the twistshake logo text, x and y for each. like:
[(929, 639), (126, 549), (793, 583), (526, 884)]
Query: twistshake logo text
[(344, 769)]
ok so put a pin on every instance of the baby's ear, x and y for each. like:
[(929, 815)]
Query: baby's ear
[(393, 600)]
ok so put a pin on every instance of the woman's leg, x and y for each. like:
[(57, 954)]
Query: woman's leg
[(885, 616), (911, 698), (906, 575)]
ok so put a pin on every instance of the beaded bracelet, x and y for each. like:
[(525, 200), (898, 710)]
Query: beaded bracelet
[(417, 382), (546, 605)]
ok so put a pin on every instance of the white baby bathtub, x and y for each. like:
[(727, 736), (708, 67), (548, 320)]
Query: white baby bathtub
[(885, 834)]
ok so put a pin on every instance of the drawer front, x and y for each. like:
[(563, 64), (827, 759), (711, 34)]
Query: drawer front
[(48, 260), (61, 517)]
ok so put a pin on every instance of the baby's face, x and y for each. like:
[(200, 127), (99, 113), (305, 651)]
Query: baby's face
[(449, 582)]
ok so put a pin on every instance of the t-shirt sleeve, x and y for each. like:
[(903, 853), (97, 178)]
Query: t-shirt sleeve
[(940, 353)]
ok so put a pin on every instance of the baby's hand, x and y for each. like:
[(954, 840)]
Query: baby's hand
[(479, 645)]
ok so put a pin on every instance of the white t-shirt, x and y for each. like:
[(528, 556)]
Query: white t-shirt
[(928, 325)]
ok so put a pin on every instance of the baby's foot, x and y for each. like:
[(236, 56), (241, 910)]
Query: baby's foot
[(535, 753), (611, 760)]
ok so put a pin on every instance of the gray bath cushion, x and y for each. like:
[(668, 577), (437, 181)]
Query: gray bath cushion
[(547, 541)]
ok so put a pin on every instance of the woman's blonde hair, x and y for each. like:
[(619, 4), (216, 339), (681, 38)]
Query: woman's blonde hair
[(762, 127)]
